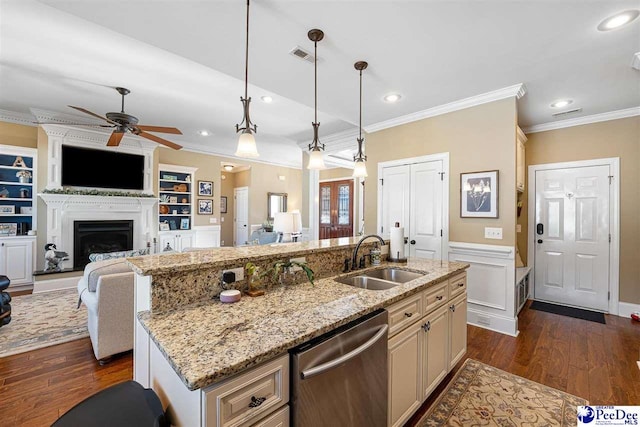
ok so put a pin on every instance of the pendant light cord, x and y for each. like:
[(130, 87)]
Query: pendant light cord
[(315, 79), (360, 130), (246, 57)]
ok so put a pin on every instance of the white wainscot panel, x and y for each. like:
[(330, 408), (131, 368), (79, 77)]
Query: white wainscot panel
[(490, 285)]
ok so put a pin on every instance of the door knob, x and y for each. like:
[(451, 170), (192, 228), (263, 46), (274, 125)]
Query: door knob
[(539, 240), (413, 242)]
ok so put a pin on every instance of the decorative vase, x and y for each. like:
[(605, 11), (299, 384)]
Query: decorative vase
[(23, 179), (287, 278)]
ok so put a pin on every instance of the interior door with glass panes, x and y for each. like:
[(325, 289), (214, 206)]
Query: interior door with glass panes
[(336, 209)]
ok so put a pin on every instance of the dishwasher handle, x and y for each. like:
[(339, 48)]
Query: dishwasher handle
[(316, 370)]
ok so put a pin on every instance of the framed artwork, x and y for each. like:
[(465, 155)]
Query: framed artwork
[(7, 209), (173, 225), (8, 229), (164, 226), (205, 207), (184, 224), (223, 204), (479, 194), (205, 188)]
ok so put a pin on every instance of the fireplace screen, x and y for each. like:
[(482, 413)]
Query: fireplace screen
[(99, 237)]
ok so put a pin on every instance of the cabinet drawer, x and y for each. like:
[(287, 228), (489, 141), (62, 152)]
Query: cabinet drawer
[(280, 418), (236, 402), (457, 285), (404, 313), (435, 296)]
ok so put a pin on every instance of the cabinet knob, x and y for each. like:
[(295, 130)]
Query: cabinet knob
[(427, 326), (406, 314), (439, 297), (256, 401), (452, 307), (460, 284)]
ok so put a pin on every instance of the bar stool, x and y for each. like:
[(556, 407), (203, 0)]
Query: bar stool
[(126, 404), (5, 299)]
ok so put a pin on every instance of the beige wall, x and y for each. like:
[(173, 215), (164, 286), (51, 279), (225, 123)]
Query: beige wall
[(616, 138), (335, 173), (19, 135), (477, 139), (226, 226)]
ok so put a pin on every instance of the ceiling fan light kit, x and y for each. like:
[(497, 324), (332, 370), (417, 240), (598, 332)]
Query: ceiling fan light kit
[(316, 160), (360, 160), (246, 142)]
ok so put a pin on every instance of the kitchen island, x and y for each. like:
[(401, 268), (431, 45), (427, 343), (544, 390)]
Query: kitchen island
[(184, 352)]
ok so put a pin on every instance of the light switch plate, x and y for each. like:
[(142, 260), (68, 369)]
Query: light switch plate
[(493, 233), (213, 220), (518, 228)]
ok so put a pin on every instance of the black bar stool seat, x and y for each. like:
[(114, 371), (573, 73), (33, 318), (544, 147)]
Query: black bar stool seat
[(4, 282), (126, 404)]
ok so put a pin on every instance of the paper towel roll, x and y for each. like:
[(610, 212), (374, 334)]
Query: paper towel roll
[(396, 238)]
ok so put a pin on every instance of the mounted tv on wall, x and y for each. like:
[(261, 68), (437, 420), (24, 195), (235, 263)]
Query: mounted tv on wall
[(85, 167)]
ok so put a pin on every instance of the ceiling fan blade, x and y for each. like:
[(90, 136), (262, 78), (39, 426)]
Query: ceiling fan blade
[(115, 138), (162, 129), (94, 114), (159, 140)]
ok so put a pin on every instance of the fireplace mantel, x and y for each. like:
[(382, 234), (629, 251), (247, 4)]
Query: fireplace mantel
[(64, 209)]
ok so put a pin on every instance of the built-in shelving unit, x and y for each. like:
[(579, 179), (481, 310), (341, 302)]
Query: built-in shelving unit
[(176, 204), (17, 184)]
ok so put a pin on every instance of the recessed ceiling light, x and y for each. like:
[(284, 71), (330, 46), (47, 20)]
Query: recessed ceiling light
[(561, 103), (203, 132), (392, 97), (618, 20), (266, 99)]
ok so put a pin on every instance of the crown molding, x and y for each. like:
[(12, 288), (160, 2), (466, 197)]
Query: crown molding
[(95, 136), (517, 91), (635, 62), (584, 120), (17, 118)]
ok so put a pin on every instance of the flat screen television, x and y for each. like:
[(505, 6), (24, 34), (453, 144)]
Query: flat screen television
[(85, 167)]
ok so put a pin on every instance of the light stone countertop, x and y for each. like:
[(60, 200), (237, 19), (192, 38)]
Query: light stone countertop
[(171, 263), (207, 343)]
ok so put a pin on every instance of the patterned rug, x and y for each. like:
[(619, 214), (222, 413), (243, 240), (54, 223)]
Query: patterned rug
[(43, 320), (480, 395)]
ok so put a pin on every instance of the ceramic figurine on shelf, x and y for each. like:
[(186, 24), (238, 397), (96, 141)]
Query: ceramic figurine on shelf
[(4, 193), (23, 176), (53, 258), (19, 162)]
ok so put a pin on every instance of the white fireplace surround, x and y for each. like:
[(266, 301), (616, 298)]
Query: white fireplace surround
[(64, 209)]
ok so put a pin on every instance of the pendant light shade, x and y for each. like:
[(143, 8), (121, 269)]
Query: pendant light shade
[(246, 141), (315, 148), (360, 160)]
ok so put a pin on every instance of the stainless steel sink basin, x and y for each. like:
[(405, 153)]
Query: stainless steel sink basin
[(364, 282), (393, 275)]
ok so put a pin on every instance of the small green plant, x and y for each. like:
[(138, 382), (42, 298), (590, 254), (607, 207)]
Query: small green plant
[(284, 266)]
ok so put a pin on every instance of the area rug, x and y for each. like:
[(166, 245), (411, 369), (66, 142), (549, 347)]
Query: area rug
[(578, 313), (43, 320), (481, 395)]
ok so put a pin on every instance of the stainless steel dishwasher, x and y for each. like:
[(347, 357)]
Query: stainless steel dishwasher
[(340, 379)]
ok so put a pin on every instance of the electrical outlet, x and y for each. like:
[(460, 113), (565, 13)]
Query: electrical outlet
[(300, 259), (212, 220), (493, 233), (518, 228), (221, 219), (384, 250), (238, 271)]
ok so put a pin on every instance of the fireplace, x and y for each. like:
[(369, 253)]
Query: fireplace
[(98, 237)]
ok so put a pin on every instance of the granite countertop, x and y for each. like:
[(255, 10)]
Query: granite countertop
[(207, 343), (221, 257)]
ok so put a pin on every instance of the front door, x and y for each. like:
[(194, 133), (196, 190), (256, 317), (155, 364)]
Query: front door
[(571, 232), (241, 212), (336, 209)]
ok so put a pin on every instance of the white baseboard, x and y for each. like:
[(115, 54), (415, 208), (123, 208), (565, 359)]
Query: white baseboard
[(482, 319), (55, 284), (626, 308)]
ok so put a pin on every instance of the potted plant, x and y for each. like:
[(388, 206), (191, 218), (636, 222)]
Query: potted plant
[(254, 283), (23, 176), (282, 271), (267, 225)]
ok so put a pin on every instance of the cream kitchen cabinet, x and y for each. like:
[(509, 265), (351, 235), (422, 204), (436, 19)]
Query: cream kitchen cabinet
[(521, 139), (428, 336), (16, 259)]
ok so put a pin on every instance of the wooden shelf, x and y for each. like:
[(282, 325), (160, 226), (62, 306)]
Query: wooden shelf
[(175, 180), (15, 183), (1, 214), (173, 204), (187, 214), (175, 192), (16, 199), (15, 168)]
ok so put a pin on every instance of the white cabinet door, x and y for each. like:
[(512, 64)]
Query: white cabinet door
[(170, 239), (16, 261), (405, 377), (186, 240), (457, 330), (436, 349)]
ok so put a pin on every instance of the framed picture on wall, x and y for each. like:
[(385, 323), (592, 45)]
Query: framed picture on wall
[(205, 207), (205, 188), (223, 204), (479, 194)]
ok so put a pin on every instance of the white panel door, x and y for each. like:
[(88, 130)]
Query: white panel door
[(572, 236), (241, 212), (425, 223), (395, 198)]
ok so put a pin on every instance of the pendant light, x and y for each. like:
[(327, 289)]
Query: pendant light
[(315, 148), (360, 165), (246, 142)]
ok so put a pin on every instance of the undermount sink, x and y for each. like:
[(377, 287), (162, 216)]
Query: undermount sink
[(378, 280), (393, 275), (365, 282)]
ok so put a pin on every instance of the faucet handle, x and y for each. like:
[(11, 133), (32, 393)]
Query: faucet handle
[(346, 265)]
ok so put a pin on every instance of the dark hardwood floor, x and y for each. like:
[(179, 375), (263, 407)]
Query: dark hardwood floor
[(590, 360)]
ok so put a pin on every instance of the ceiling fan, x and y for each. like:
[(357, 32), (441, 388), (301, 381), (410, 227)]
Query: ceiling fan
[(122, 123)]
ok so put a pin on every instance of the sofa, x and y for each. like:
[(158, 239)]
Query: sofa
[(107, 290)]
